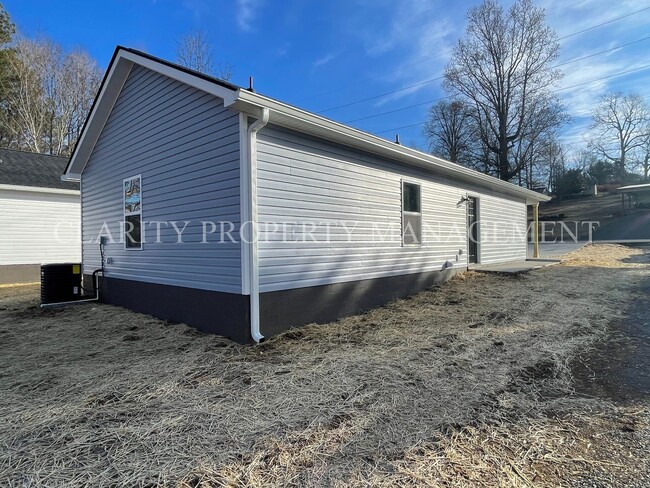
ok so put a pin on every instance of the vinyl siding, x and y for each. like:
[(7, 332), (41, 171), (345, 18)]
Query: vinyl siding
[(303, 180), (39, 228), (185, 145), (503, 226)]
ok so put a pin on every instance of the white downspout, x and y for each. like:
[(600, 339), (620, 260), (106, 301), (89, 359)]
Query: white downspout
[(254, 270)]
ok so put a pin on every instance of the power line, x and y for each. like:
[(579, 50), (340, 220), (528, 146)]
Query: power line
[(397, 109), (355, 102), (620, 73), (620, 46), (380, 95), (401, 127), (365, 78), (603, 23), (444, 98), (414, 63), (605, 77)]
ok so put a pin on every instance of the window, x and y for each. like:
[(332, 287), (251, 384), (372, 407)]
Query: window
[(411, 214), (133, 213)]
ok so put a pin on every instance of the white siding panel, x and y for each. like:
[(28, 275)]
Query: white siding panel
[(503, 230), (39, 228), (304, 181), (185, 144)]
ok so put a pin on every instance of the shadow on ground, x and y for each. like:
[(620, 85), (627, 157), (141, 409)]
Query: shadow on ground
[(618, 368)]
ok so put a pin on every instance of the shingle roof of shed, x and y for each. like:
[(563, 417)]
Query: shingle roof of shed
[(33, 169)]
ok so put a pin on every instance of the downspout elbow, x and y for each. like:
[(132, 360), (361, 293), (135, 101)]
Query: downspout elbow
[(258, 124)]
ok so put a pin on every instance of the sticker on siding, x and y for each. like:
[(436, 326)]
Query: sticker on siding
[(132, 195)]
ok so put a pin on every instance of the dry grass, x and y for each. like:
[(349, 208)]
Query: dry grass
[(609, 256), (464, 385)]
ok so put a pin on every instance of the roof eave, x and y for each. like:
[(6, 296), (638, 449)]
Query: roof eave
[(281, 114), (112, 84), (39, 189), (292, 117)]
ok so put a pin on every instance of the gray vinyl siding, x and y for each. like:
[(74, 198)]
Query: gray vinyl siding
[(303, 179), (185, 145)]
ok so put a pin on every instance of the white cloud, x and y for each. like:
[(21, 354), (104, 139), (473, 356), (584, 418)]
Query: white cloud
[(246, 13), (322, 61), (424, 36), (570, 18)]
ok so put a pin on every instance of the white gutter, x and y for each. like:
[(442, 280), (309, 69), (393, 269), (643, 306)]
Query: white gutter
[(39, 189), (301, 120), (254, 269)]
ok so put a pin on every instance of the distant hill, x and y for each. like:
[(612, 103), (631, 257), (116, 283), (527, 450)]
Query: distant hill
[(604, 208)]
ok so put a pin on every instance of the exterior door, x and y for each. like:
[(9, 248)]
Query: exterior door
[(472, 230)]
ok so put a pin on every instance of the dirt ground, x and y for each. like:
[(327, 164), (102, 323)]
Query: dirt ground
[(474, 383)]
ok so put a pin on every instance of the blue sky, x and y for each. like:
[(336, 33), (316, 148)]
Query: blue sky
[(323, 54)]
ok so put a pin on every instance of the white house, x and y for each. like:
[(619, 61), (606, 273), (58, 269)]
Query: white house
[(39, 215), (213, 205)]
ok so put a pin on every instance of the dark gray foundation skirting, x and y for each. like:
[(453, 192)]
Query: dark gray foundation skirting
[(280, 310), (227, 314)]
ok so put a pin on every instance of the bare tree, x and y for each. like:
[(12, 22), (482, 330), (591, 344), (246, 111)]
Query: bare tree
[(450, 131), (195, 51), (502, 67), (78, 79), (620, 127), (551, 158), (645, 156), (529, 152), (27, 99), (50, 95), (7, 30)]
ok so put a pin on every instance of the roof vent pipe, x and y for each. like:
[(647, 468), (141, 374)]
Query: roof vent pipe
[(250, 84), (397, 139)]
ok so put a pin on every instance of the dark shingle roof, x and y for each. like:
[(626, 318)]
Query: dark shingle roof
[(33, 169)]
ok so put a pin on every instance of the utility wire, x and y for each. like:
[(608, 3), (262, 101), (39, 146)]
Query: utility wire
[(381, 95), (449, 96), (355, 102), (620, 46), (397, 109), (603, 23), (410, 65), (620, 73)]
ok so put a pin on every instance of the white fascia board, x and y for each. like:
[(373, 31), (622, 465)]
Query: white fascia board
[(298, 119), (102, 108), (115, 79), (207, 86), (39, 189)]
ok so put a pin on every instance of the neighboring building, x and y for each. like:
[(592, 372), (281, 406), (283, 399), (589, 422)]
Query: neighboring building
[(640, 194), (39, 215), (167, 144)]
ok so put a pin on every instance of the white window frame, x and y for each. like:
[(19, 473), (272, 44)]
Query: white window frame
[(125, 214), (401, 193)]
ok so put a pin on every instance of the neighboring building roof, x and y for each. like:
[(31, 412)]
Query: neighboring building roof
[(280, 113), (634, 188), (26, 169)]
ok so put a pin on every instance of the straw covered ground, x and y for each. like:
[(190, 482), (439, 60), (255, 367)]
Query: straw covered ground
[(467, 384)]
